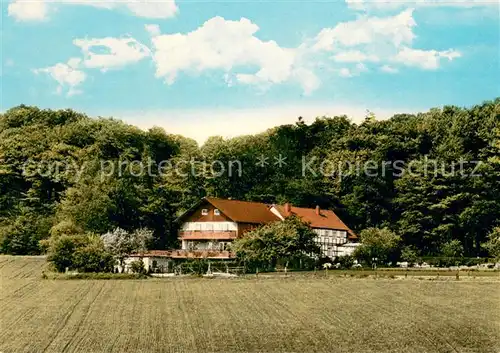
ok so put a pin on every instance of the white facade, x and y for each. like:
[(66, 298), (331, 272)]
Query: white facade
[(347, 249), (333, 243), (209, 226), (209, 244), (150, 262)]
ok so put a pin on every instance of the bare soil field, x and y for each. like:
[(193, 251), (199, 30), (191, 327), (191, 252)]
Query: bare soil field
[(294, 314)]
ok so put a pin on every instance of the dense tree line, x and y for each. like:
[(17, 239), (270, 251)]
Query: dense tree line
[(432, 178)]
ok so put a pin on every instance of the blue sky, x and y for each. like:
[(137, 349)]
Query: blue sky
[(202, 68)]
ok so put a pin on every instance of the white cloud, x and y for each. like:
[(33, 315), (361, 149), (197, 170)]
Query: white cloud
[(365, 30), (387, 40), (425, 59), (345, 72), (98, 53), (153, 29), (389, 69), (74, 62), (231, 46), (27, 10), (361, 67), (357, 70), (153, 8), (308, 80), (109, 52), (354, 56), (66, 75), (397, 4), (240, 57), (36, 10)]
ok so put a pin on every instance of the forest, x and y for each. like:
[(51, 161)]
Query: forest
[(431, 177)]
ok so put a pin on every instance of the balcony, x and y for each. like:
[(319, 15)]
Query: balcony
[(207, 235), (187, 254)]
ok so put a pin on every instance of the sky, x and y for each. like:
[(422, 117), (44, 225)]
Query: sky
[(229, 67)]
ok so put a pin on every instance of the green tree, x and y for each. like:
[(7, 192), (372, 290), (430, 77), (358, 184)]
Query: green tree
[(426, 209), (409, 254), (382, 244), (286, 242), (492, 246), (21, 234), (93, 257), (452, 248), (84, 253)]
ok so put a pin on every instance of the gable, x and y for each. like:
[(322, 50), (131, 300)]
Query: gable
[(244, 211), (195, 214), (230, 210)]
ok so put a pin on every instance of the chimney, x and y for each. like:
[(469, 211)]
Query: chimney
[(317, 210), (288, 208)]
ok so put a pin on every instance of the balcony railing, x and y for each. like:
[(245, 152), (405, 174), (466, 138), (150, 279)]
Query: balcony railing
[(187, 254), (207, 235)]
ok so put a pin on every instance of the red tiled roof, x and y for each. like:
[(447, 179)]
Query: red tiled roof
[(326, 219), (244, 211), (153, 253)]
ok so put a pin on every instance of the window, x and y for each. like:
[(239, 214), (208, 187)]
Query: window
[(216, 212), (204, 212)]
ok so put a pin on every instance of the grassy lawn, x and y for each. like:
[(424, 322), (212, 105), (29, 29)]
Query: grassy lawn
[(294, 314)]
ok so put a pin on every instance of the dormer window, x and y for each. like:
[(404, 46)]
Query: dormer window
[(204, 212), (216, 212)]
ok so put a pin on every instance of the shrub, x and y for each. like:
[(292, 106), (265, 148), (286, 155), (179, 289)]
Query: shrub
[(92, 258), (409, 254), (492, 246), (61, 251), (137, 267), (453, 248), (454, 261), (84, 253), (197, 266), (91, 275), (346, 261)]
